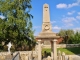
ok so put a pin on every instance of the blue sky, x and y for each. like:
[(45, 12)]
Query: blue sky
[(64, 14)]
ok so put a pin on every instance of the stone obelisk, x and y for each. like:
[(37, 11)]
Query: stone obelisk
[(46, 26), (46, 15), (46, 35)]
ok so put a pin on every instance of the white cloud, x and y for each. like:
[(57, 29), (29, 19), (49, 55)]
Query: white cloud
[(56, 28), (78, 13), (37, 30), (71, 13), (78, 17), (76, 29), (36, 33), (72, 5), (68, 19), (52, 22), (69, 24), (2, 17), (78, 1), (35, 27), (63, 5)]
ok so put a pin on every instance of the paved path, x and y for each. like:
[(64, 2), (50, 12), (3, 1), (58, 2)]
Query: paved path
[(74, 57)]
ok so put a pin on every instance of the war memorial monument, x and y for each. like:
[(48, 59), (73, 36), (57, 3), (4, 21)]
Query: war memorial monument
[(46, 34)]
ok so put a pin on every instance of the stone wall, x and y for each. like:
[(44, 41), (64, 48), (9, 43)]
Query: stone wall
[(4, 55), (24, 55), (67, 45), (63, 45)]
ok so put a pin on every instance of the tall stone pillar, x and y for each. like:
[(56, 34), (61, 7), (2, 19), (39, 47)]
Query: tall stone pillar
[(54, 49), (39, 50)]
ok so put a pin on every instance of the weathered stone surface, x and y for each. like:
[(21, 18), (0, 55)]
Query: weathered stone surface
[(46, 34), (24, 55), (2, 57), (49, 58), (46, 25), (5, 56), (8, 57)]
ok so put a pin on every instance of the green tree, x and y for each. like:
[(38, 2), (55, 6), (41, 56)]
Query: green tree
[(16, 26), (66, 34), (70, 37), (62, 32), (76, 38)]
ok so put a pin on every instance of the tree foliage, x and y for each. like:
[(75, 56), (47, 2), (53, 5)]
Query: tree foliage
[(16, 26), (76, 38), (70, 37)]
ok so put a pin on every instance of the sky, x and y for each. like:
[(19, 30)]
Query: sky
[(64, 14)]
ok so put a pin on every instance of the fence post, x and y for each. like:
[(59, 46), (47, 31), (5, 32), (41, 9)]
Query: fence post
[(69, 58), (59, 55), (48, 58), (63, 56)]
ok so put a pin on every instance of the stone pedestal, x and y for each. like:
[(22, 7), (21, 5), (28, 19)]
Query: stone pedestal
[(39, 50), (54, 49)]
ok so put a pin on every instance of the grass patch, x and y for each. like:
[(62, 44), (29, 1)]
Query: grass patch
[(67, 51)]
